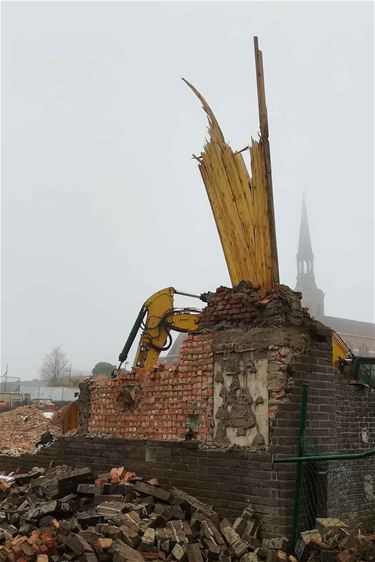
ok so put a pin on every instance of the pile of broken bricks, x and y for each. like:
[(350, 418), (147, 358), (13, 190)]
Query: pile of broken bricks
[(247, 305), (332, 541), (63, 514)]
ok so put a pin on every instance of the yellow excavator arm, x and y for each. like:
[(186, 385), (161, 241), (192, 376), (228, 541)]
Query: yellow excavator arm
[(340, 351), (158, 317)]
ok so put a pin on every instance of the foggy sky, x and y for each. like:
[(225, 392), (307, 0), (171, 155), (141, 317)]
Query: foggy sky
[(102, 204)]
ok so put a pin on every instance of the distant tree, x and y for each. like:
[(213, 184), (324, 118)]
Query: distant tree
[(103, 368), (55, 366)]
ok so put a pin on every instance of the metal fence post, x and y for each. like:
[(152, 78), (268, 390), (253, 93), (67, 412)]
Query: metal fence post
[(299, 471)]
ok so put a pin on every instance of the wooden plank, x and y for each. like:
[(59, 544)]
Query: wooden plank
[(224, 218), (262, 108), (263, 124)]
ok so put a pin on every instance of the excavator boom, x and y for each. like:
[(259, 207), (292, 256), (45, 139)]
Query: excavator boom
[(339, 349), (158, 317)]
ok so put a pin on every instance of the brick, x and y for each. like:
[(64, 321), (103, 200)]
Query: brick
[(129, 536), (68, 484), (179, 552), (89, 557), (111, 508), (147, 489), (103, 542), (194, 553), (124, 553), (77, 544), (232, 538)]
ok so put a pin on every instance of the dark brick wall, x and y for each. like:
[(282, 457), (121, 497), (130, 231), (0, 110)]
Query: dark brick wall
[(316, 371), (352, 483), (337, 413), (227, 480)]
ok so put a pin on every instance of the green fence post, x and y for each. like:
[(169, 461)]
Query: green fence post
[(299, 471)]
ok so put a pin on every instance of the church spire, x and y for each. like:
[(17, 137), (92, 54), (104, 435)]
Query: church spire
[(312, 297), (304, 245)]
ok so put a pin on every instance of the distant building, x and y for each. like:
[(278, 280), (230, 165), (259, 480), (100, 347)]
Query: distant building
[(172, 356), (312, 297), (12, 399), (8, 385), (359, 336), (33, 382), (50, 393)]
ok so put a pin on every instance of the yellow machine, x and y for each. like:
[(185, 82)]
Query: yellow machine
[(340, 351), (359, 369), (158, 317)]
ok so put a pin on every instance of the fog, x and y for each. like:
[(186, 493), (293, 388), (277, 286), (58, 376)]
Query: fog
[(102, 204)]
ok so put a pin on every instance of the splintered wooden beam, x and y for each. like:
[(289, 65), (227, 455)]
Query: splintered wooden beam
[(262, 107), (263, 125), (242, 206)]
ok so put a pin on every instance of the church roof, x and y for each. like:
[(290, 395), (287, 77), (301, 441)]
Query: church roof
[(350, 327), (304, 244), (173, 353)]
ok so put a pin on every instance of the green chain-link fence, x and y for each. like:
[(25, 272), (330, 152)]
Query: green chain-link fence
[(330, 484)]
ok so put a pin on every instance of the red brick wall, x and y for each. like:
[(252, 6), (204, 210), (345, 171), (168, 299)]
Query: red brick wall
[(163, 398), (247, 306)]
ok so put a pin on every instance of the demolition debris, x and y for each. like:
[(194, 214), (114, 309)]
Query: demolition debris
[(63, 514), (332, 541), (21, 429)]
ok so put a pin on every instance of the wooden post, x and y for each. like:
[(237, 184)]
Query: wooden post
[(263, 125)]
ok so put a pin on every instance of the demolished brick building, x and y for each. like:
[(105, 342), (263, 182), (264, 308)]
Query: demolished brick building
[(212, 423)]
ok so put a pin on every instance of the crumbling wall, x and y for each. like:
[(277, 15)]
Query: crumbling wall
[(251, 380), (229, 380), (84, 406), (166, 403), (256, 334), (231, 375)]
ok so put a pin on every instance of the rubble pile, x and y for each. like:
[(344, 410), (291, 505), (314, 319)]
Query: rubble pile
[(246, 305), (21, 428), (64, 514), (332, 540)]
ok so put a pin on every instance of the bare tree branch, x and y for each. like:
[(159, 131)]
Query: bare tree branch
[(54, 366)]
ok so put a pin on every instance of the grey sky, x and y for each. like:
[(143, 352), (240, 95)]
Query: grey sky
[(102, 204)]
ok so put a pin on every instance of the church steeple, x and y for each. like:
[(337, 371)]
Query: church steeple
[(312, 297), (305, 256)]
